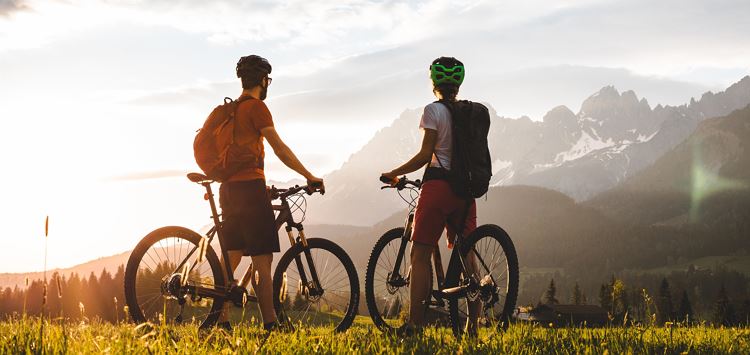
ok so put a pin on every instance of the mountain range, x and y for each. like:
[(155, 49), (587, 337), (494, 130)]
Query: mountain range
[(613, 136)]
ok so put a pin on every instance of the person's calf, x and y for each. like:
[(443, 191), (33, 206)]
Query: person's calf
[(420, 284), (263, 285)]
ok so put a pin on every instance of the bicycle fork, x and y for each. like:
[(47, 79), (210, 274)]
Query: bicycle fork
[(309, 289), (395, 279)]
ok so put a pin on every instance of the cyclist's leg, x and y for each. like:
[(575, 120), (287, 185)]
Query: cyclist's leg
[(232, 197), (263, 286), (262, 240), (421, 281), (429, 222), (475, 306), (235, 256), (470, 224)]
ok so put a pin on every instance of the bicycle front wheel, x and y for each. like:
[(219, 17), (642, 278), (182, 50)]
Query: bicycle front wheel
[(155, 287), (299, 301), (388, 300), (492, 265)]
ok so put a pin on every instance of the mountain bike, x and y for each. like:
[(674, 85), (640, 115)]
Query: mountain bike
[(174, 275), (489, 275)]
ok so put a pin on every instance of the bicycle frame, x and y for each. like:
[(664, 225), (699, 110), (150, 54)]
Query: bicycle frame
[(284, 218)]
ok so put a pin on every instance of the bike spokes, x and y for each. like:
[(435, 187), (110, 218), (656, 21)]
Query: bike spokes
[(163, 288), (487, 266), (387, 288), (309, 303)]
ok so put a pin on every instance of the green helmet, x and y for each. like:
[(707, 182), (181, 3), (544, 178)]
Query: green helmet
[(447, 70)]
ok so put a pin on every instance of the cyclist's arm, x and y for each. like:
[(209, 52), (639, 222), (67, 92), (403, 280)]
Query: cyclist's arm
[(423, 157), (284, 153)]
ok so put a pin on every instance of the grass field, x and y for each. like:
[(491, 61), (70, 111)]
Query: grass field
[(23, 336)]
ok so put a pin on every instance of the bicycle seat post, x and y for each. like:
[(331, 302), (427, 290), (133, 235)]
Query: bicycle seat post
[(210, 197)]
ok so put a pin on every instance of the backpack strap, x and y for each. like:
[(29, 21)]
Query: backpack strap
[(447, 105), (233, 106)]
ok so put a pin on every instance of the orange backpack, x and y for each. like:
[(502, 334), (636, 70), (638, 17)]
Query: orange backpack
[(215, 149)]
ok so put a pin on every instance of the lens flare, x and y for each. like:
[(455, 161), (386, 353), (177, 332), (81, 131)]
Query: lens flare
[(707, 182)]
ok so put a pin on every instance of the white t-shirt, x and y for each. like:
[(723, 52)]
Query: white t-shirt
[(438, 117)]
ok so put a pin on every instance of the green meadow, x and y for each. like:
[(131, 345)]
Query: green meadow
[(26, 335)]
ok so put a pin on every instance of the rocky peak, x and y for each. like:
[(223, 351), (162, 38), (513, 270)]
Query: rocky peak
[(560, 115), (721, 103), (608, 102)]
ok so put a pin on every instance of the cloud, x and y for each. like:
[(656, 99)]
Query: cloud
[(523, 58), (524, 92), (9, 6)]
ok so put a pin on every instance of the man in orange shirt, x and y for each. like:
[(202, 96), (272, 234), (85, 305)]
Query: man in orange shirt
[(249, 227)]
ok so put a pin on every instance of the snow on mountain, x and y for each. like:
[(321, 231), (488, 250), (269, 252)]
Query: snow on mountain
[(585, 145)]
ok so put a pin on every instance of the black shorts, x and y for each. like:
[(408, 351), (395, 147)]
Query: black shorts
[(248, 218)]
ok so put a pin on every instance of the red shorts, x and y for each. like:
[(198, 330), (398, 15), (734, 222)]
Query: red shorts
[(439, 208)]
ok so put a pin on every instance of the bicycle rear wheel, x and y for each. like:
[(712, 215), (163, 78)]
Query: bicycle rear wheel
[(298, 301), (495, 276), (154, 286)]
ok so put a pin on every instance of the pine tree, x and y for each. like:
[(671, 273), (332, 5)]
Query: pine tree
[(106, 296), (605, 297), (620, 301), (577, 295), (745, 313), (118, 279), (664, 308), (685, 311), (723, 311), (549, 295)]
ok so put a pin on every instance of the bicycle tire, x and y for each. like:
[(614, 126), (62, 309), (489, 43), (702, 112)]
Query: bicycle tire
[(371, 275), (511, 285), (287, 265), (142, 249)]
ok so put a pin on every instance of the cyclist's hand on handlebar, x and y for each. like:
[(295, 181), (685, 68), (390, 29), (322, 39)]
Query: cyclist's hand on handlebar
[(316, 184), (389, 178)]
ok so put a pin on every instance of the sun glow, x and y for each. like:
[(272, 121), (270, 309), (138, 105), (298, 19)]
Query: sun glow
[(707, 182)]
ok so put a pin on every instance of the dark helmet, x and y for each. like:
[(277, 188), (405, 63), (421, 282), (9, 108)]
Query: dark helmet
[(253, 66), (447, 70)]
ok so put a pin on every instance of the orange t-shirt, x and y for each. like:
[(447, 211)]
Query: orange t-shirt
[(252, 116)]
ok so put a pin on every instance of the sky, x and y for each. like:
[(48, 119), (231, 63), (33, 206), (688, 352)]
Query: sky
[(100, 100)]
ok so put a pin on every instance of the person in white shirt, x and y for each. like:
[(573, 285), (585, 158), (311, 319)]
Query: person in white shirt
[(438, 207)]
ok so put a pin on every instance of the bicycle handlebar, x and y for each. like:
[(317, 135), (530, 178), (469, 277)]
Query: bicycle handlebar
[(401, 184), (284, 193)]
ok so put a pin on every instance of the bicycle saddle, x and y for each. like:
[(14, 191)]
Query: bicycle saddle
[(198, 178)]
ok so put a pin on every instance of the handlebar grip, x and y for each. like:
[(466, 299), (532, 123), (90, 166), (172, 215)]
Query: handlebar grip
[(316, 186), (385, 180)]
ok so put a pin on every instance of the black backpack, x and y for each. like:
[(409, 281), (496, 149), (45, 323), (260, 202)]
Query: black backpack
[(471, 165)]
